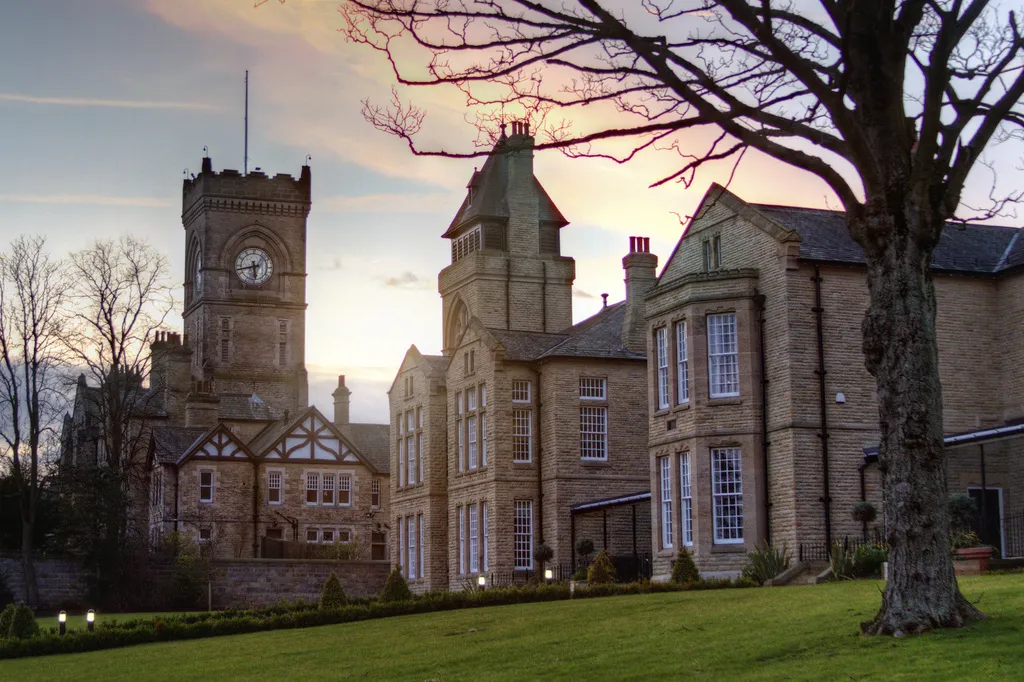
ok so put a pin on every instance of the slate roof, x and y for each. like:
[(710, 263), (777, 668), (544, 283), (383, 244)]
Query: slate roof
[(171, 442), (269, 434), (436, 363), (246, 406), (488, 186), (974, 249), (373, 441), (598, 336)]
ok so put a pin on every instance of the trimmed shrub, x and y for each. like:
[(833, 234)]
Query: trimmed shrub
[(867, 560), (683, 569), (543, 553), (963, 540), (864, 512), (6, 618), (766, 563), (962, 510), (580, 575), (23, 624), (333, 596), (601, 571), (395, 588), (585, 547)]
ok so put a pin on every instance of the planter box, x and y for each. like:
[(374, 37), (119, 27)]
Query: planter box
[(972, 560)]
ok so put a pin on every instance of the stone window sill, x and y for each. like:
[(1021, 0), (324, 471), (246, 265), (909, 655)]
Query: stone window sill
[(738, 548), (597, 463), (713, 402), (681, 408)]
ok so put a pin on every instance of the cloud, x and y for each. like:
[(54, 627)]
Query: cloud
[(439, 202), (580, 293), (85, 199), (97, 102), (407, 280), (334, 266)]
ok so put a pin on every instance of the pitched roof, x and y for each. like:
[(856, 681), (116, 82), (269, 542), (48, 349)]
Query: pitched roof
[(246, 407), (598, 336), (373, 441), (437, 364), (171, 442), (488, 187), (969, 248)]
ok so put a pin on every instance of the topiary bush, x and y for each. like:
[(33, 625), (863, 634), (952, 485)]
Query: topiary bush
[(23, 624), (333, 596), (601, 571), (683, 568), (766, 563), (585, 547), (864, 512), (395, 588), (962, 510)]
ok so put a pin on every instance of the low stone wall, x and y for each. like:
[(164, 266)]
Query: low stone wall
[(61, 582), (261, 582)]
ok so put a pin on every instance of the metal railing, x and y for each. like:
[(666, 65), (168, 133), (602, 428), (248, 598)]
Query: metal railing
[(628, 568), (819, 551)]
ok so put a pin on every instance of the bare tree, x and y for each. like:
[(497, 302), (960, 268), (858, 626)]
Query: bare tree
[(891, 103), (32, 293), (120, 296)]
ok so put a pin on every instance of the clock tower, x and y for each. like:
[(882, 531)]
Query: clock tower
[(245, 282)]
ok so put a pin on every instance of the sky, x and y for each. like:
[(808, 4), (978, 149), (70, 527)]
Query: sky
[(111, 103)]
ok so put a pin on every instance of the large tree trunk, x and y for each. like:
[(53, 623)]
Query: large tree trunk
[(901, 351), (28, 566)]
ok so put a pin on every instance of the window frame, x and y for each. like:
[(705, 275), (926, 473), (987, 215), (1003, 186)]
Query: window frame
[(474, 539), (312, 487), (686, 499), (601, 386), (212, 486), (721, 361), (375, 493), (521, 387), (661, 367), (518, 439), (522, 535), (279, 473), (590, 440), (682, 364), (665, 495), (720, 501)]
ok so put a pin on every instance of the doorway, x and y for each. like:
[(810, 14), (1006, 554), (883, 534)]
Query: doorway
[(989, 524)]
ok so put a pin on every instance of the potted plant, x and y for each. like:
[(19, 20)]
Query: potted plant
[(971, 555)]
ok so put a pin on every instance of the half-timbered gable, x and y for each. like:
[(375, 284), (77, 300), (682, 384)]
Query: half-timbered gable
[(310, 438), (219, 444)]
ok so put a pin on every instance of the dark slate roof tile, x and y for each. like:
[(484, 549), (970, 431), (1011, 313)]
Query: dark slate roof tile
[(974, 249), (487, 189), (525, 346), (373, 441), (599, 336), (171, 442)]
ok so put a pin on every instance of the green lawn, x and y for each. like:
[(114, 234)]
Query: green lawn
[(796, 633), (76, 619)]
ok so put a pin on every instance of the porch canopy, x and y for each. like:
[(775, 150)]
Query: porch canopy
[(603, 506)]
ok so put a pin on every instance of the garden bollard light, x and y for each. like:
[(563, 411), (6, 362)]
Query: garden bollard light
[(548, 574), (482, 582), (90, 619), (62, 621)]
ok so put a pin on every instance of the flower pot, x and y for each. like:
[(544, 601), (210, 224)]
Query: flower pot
[(971, 560)]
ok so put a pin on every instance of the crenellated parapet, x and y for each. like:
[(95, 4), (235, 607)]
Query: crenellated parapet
[(254, 193)]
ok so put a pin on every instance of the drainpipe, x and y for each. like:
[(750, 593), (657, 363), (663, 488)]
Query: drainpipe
[(863, 498), (508, 295), (177, 527), (826, 498), (540, 472), (759, 301)]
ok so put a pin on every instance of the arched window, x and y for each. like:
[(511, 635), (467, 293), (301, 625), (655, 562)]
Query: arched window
[(458, 320)]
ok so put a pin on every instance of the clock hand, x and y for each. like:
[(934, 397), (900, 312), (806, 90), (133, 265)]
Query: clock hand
[(254, 266)]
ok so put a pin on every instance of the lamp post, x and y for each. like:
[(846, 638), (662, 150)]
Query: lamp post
[(62, 622), (482, 582), (90, 620)]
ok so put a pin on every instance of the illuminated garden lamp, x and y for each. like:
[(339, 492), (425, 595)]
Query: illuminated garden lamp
[(62, 621), (548, 574), (90, 619), (482, 582)]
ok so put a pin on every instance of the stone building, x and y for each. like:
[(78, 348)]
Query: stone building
[(230, 451), (524, 416), (763, 418)]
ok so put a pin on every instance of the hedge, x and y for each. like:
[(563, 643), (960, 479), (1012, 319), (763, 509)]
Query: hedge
[(302, 614)]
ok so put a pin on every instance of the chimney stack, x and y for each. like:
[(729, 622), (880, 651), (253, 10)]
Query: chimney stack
[(202, 406), (341, 402), (640, 266)]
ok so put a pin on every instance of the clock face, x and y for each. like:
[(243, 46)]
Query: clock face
[(253, 266)]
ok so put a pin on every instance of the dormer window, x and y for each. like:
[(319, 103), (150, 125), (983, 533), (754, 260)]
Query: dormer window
[(466, 244)]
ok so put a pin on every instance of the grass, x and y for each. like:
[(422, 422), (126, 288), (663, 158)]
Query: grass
[(76, 620), (794, 633)]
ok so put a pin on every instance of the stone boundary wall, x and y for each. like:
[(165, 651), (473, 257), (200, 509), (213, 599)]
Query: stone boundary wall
[(261, 582), (61, 582)]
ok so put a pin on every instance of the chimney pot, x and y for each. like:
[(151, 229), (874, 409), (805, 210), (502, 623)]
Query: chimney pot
[(341, 380), (526, 127), (604, 299)]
